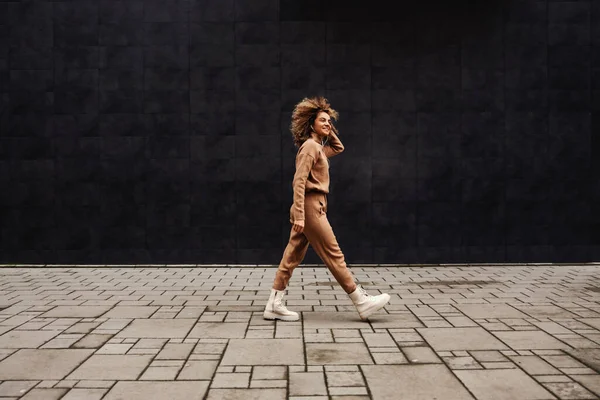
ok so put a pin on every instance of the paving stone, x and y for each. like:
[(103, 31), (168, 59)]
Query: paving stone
[(347, 392), (268, 383), (157, 328), (534, 365), (337, 353), (528, 340), (76, 312), (413, 382), (85, 394), (44, 394), (485, 311), (269, 372), (246, 394), (46, 364), (550, 311), (229, 330), (335, 320), (115, 367), (420, 355), (264, 352), (159, 374), (442, 339), (488, 356), (591, 382), (130, 312), (346, 378), (569, 390), (390, 321), (25, 339), (16, 388), (502, 384), (175, 351), (198, 370), (186, 390), (307, 384), (92, 341), (230, 380)]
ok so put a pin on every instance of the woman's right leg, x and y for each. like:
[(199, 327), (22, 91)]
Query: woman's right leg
[(294, 253)]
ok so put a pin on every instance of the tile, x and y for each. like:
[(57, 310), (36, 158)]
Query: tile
[(230, 380), (476, 311), (198, 370), (339, 320), (245, 394), (84, 394), (92, 341), (44, 394), (337, 353), (502, 384), (442, 339), (226, 330), (156, 328), (530, 340), (15, 388), (591, 382), (45, 364), (25, 339), (307, 384), (75, 312), (158, 391), (269, 372), (264, 352), (413, 382), (111, 367), (130, 312), (569, 390), (534, 365), (344, 378), (420, 355)]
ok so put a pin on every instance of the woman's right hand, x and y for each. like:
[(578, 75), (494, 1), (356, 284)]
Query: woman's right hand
[(298, 226)]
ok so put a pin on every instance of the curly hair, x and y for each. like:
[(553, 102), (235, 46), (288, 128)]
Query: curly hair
[(304, 115)]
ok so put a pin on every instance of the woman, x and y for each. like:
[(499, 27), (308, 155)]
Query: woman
[(311, 128)]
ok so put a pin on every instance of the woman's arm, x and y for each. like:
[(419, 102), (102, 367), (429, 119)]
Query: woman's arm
[(334, 145), (304, 163)]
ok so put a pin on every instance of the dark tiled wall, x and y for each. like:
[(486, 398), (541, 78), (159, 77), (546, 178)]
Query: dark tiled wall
[(141, 131)]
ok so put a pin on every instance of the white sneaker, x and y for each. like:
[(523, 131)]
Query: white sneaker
[(276, 309), (366, 304)]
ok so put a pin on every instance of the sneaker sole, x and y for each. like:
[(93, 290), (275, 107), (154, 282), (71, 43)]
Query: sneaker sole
[(272, 316), (368, 313)]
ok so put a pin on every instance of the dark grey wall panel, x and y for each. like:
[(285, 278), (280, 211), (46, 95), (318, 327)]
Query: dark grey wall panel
[(155, 131)]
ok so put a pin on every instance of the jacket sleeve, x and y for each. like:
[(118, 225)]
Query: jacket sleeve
[(304, 163), (334, 145)]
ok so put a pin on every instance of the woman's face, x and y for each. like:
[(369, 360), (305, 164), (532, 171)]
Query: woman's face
[(322, 125)]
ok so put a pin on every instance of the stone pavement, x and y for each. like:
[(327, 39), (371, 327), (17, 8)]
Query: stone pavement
[(487, 332)]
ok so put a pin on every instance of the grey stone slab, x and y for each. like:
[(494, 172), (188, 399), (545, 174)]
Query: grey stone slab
[(111, 367), (332, 320), (148, 390), (549, 311), (484, 311), (534, 365), (198, 370), (130, 312), (225, 330), (246, 394), (502, 384), (44, 364), (75, 312), (157, 328), (15, 388), (307, 384), (589, 357), (92, 341), (337, 353), (451, 339), (45, 394), (591, 382), (26, 339), (530, 340), (593, 322), (413, 382), (264, 352), (85, 394), (387, 321)]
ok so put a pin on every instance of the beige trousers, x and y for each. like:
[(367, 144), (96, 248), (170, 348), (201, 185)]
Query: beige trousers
[(317, 232)]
